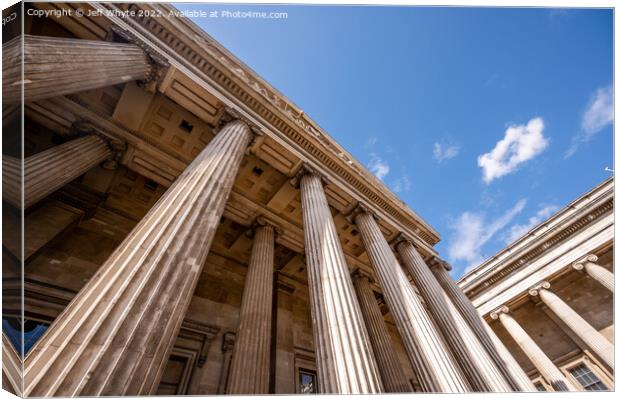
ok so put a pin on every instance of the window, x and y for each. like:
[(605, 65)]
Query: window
[(540, 387), (588, 380), (307, 381), (185, 125)]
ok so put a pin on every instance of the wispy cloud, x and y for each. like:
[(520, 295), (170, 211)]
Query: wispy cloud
[(472, 232), (519, 230), (445, 151), (598, 115), (520, 144), (402, 184), (378, 166)]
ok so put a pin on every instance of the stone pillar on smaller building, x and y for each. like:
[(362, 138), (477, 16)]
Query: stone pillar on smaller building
[(515, 369), (539, 359), (249, 372), (392, 375), (588, 334), (596, 271)]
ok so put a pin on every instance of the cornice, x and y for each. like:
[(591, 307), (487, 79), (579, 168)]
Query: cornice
[(193, 48)]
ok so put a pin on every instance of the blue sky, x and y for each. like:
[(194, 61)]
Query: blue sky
[(484, 120)]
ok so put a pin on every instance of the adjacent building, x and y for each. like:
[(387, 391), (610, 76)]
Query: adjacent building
[(548, 296)]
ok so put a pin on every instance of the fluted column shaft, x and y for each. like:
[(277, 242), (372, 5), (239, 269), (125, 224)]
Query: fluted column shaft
[(345, 362), (436, 369), (475, 322), (55, 66), (542, 363), (391, 371), (432, 293), (597, 272), (525, 384), (51, 169), (588, 334), (249, 372), (115, 337)]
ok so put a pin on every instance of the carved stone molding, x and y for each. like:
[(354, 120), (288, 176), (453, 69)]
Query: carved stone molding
[(436, 261), (207, 332), (228, 341), (81, 128)]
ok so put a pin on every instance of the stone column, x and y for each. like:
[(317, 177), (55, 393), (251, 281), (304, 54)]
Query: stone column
[(597, 272), (545, 366), (391, 371), (492, 376), (51, 169), (55, 66), (249, 372), (345, 362), (525, 384), (12, 180), (440, 269), (437, 371), (588, 334), (432, 293), (115, 337)]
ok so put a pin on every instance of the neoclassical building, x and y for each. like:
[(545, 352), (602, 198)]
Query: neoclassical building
[(189, 230), (548, 296)]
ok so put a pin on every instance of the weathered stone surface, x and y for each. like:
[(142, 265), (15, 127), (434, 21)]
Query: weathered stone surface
[(391, 371), (249, 372), (435, 367), (345, 362), (115, 336), (54, 66)]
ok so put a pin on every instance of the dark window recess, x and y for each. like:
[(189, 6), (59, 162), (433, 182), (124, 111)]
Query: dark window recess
[(540, 387), (257, 171), (307, 381), (185, 125), (33, 331), (588, 380), (151, 185)]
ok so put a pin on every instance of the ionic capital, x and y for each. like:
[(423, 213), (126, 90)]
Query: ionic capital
[(230, 114), (159, 65), (436, 261), (306, 169), (363, 274), (502, 309), (82, 128), (262, 221), (401, 238), (535, 290), (580, 264), (358, 210)]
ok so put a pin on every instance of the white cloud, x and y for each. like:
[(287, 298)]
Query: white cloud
[(402, 184), (442, 152), (598, 115), (520, 144), (378, 167), (472, 232), (519, 230)]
